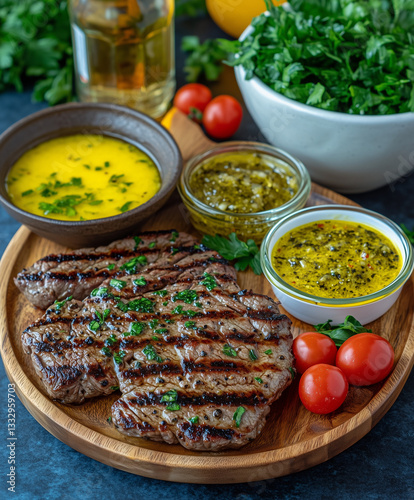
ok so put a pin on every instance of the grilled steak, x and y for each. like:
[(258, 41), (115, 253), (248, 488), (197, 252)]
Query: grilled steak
[(198, 361), (77, 273)]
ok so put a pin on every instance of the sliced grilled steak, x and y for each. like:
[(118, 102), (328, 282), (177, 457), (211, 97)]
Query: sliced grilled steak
[(198, 360), (77, 273)]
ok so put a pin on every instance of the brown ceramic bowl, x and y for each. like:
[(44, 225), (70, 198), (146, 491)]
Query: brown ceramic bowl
[(91, 118)]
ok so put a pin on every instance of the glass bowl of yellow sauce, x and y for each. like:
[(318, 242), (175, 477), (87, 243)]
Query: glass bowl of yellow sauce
[(242, 187), (85, 174), (327, 262)]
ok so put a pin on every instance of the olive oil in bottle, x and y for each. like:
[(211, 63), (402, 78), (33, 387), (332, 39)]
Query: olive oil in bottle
[(124, 52)]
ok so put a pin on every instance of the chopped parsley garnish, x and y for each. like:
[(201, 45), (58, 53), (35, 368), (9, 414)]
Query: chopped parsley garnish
[(121, 305), (190, 324), (292, 372), (153, 323), (229, 351), (151, 354), (136, 329), (165, 303), (119, 356), (161, 293), (111, 340), (193, 420), (137, 364), (177, 310), (174, 251), (109, 419), (111, 267), (60, 304), (155, 338), (106, 351), (190, 313), (141, 305), (198, 304), (101, 292), (137, 240), (125, 207), (96, 324), (174, 236), (269, 351), (161, 331), (114, 387), (106, 164), (152, 244), (174, 407), (259, 380), (130, 267), (187, 296), (170, 396), (26, 193), (140, 281), (252, 355), (169, 321), (118, 284), (209, 282), (238, 415)]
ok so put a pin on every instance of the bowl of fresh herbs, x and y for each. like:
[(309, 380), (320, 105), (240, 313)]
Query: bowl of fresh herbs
[(332, 82)]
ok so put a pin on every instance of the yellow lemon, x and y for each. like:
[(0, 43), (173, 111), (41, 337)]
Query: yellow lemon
[(233, 16)]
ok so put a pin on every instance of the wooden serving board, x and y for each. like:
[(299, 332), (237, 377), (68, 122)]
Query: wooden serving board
[(293, 438)]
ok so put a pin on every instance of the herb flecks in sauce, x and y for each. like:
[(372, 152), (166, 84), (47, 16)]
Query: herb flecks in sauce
[(243, 182), (336, 259), (67, 180)]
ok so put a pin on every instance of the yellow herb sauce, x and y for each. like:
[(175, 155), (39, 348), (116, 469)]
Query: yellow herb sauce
[(82, 177), (336, 259)]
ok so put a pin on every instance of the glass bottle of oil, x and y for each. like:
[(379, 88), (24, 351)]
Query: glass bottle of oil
[(124, 52)]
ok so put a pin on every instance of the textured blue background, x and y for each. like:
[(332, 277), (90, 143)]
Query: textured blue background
[(381, 465)]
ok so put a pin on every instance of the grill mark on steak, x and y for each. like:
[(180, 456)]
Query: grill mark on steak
[(76, 361)]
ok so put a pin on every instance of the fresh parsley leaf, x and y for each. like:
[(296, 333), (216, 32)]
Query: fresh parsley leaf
[(229, 351), (245, 253), (342, 332), (59, 305), (193, 420), (238, 415), (203, 60), (410, 234)]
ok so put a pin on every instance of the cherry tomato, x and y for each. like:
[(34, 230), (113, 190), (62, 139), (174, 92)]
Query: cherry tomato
[(222, 117), (323, 388), (192, 96), (365, 358), (312, 348)]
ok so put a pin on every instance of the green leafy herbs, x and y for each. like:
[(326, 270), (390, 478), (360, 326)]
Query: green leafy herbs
[(342, 332), (140, 281), (258, 379), (350, 56), (111, 267), (229, 351), (137, 240), (174, 236), (153, 323), (152, 244), (118, 284), (169, 396), (161, 293), (252, 355), (119, 356), (189, 7), (173, 407), (410, 234), (111, 340), (292, 372), (237, 416), (187, 296), (115, 387), (151, 354), (101, 292), (59, 304), (131, 266), (101, 318), (209, 282), (135, 329), (143, 305), (204, 59), (245, 254), (125, 207), (106, 351), (268, 352), (180, 310), (35, 43), (193, 420), (161, 331), (190, 324)]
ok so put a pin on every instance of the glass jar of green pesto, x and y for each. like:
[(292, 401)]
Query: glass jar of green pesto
[(242, 187)]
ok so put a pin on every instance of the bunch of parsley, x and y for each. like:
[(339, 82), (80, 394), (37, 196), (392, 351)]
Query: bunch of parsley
[(35, 44), (352, 56)]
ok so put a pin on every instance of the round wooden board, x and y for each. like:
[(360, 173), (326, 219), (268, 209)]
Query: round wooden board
[(293, 438)]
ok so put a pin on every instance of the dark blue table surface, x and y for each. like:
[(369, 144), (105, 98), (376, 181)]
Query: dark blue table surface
[(381, 465)]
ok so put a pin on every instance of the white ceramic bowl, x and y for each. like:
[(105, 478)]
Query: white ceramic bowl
[(312, 309), (348, 153)]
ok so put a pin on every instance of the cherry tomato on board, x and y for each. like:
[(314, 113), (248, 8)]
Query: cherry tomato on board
[(365, 358), (323, 388), (312, 348), (222, 117), (192, 96)]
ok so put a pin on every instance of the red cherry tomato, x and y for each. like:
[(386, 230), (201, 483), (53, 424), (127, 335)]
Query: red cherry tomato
[(365, 359), (323, 388), (312, 348), (222, 117), (192, 96)]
